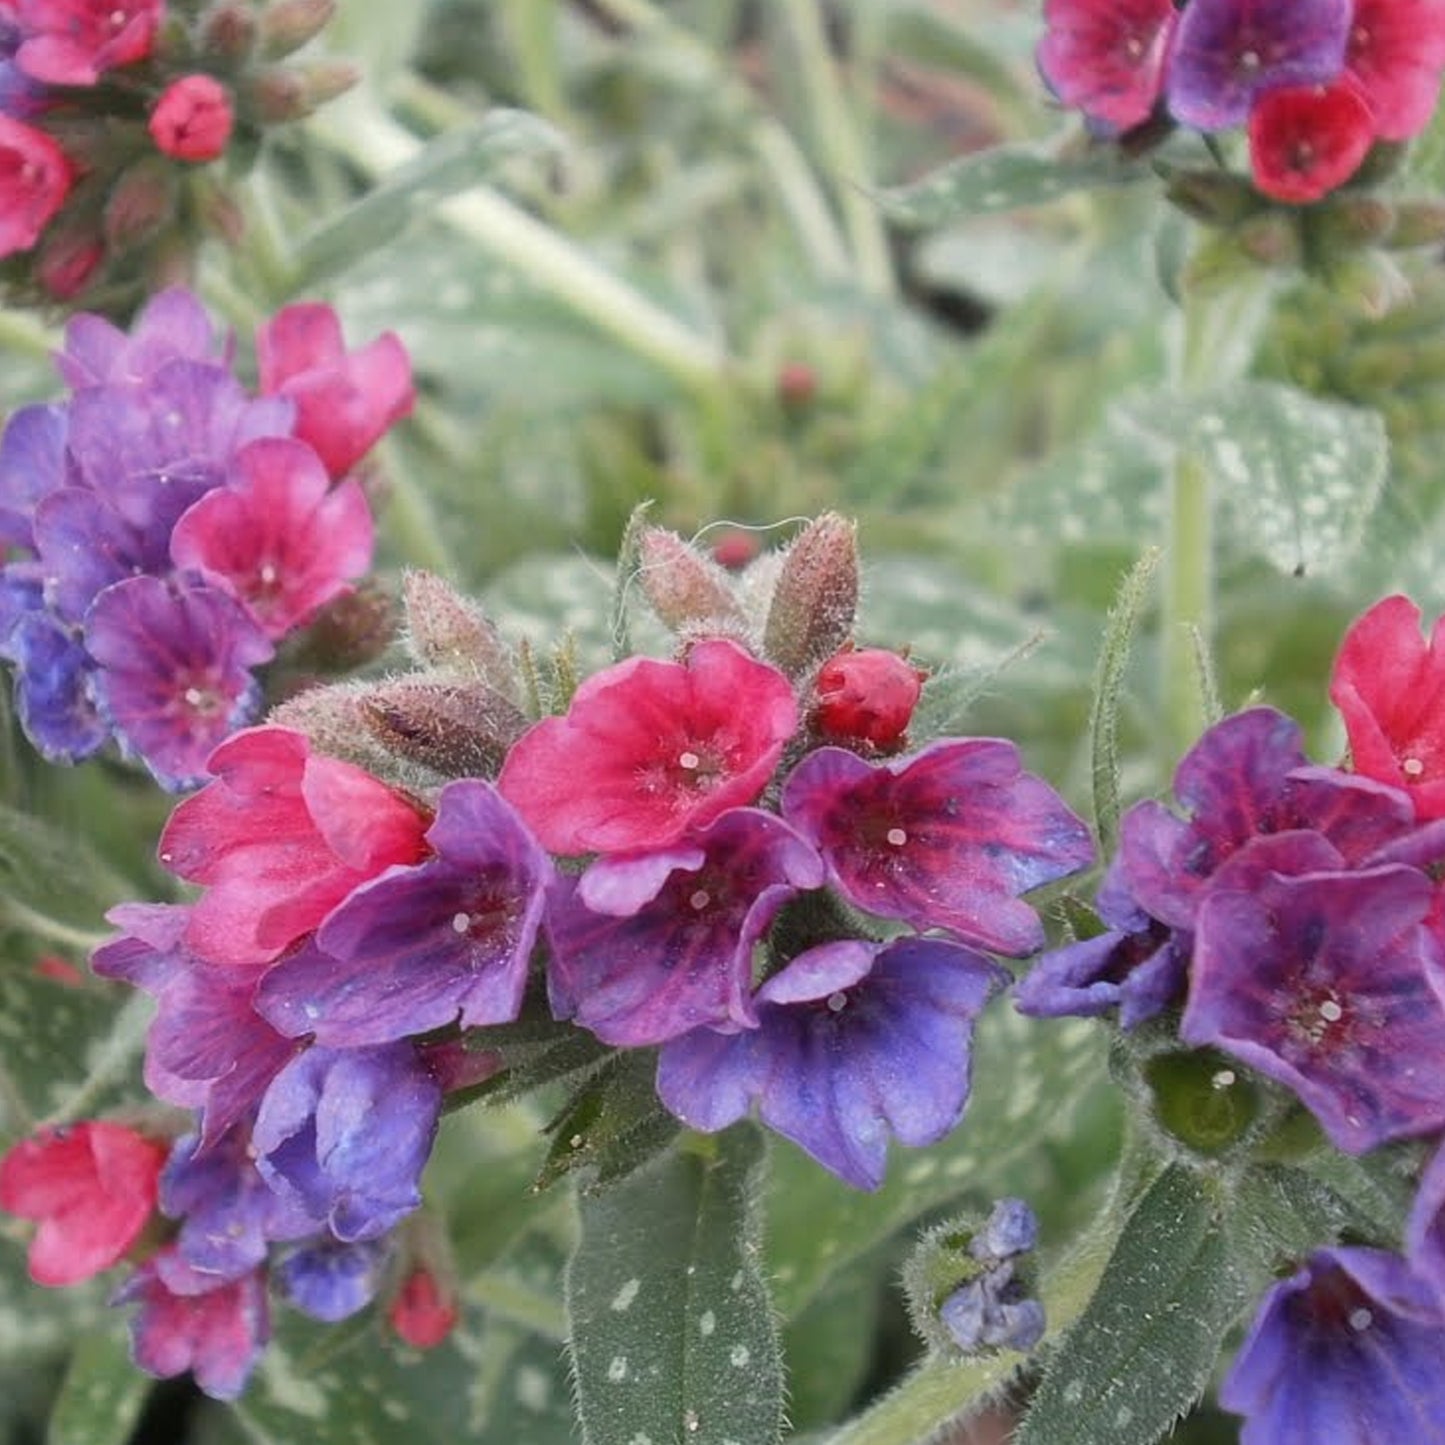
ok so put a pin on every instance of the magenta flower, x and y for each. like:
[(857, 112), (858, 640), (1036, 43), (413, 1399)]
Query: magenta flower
[(646, 946), (423, 946), (277, 537), (92, 1190), (1323, 982), (1305, 141), (1228, 53), (855, 1041), (1350, 1350), (650, 751), (279, 838), (1395, 55), (345, 400), (948, 837), (71, 42), (35, 179), (189, 1320), (173, 671), (192, 120), (1107, 59)]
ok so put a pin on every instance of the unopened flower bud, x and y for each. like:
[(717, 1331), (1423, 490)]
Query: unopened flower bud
[(459, 730), (228, 31), (797, 385), (734, 549), (350, 631), (1216, 198), (423, 1313), (685, 589), (1271, 238), (448, 632), (1369, 280), (141, 202), (192, 120), (67, 259), (1417, 223), (288, 24), (866, 695), (1346, 223), (816, 597)]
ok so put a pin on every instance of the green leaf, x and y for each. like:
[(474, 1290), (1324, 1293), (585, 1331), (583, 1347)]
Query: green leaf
[(1299, 476), (612, 1125), (51, 883), (1031, 1079), (103, 1393), (461, 157), (1142, 1352), (1005, 177), (672, 1335), (1108, 687)]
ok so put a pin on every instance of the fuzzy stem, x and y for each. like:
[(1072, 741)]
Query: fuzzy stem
[(368, 137)]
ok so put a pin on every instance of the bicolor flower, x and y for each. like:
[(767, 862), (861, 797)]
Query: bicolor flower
[(1107, 59), (948, 837), (650, 751), (646, 946), (331, 1280), (425, 945)]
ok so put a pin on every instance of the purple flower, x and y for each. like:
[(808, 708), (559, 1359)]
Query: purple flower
[(1350, 1350), (192, 1321), (32, 464), (1322, 982), (174, 673), (946, 838), (53, 691), (1229, 52), (229, 1214), (332, 1281), (207, 1048), (172, 325), (1425, 1230), (421, 946), (855, 1040), (346, 1134), (646, 946)]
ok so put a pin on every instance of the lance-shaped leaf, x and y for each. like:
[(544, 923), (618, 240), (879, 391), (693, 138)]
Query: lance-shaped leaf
[(672, 1333), (103, 1393)]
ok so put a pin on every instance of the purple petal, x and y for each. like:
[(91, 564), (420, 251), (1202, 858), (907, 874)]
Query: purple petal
[(946, 838), (332, 1281), (53, 690), (32, 464)]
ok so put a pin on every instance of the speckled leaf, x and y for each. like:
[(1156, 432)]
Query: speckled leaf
[(37, 1324), (48, 874), (103, 1393), (1004, 177), (65, 1049), (1030, 1079), (461, 157), (672, 1334), (1299, 476), (1142, 1352)]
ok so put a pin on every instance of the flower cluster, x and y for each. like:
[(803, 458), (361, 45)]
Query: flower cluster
[(166, 528), (1316, 83), (107, 105), (1293, 917), (708, 855)]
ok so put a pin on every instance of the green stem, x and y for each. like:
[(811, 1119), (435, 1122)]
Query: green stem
[(841, 146), (1217, 344), (23, 916), (371, 140)]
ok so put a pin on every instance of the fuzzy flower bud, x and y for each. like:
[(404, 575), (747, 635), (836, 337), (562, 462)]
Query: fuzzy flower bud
[(866, 696), (287, 25), (140, 203), (686, 589), (446, 631), (816, 596)]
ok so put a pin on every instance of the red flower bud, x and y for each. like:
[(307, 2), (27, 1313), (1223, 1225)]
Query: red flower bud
[(868, 696), (192, 121), (423, 1314)]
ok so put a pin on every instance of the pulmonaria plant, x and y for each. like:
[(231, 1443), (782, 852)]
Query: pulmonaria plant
[(1290, 921), (108, 110), (1315, 84), (739, 867), (167, 527)]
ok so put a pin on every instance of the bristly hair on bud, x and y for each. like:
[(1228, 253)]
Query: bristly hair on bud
[(447, 632), (815, 600), (688, 591), (458, 730)]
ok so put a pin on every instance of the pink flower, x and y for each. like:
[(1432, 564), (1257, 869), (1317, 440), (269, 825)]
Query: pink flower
[(651, 750), (35, 179), (423, 1313), (344, 400), (1389, 685), (280, 837), (1395, 54), (278, 538), (70, 42), (1106, 58), (193, 118), (92, 1187), (1304, 141)]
